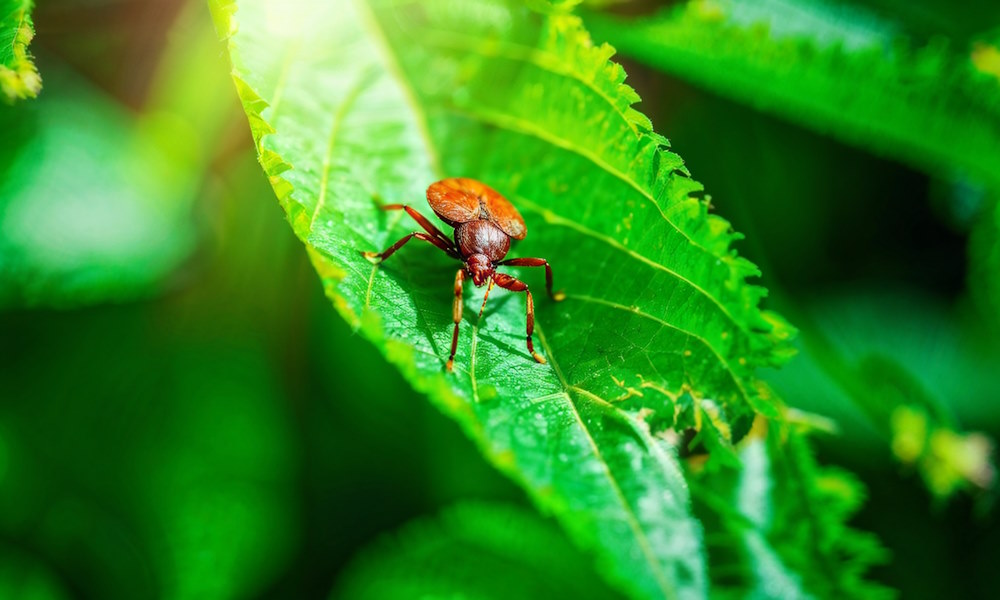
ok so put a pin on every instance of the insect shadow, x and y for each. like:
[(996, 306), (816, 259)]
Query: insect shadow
[(494, 306), (423, 275), (501, 343)]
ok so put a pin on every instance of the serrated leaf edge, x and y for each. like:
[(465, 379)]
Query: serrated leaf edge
[(20, 78)]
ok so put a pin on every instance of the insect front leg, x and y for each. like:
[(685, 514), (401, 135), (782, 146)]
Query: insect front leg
[(510, 283), (537, 262), (377, 257), (456, 314), (423, 222)]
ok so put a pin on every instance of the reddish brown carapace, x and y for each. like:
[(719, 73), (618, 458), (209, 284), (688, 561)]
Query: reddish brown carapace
[(484, 223)]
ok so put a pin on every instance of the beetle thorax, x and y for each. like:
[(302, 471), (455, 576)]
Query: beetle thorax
[(482, 237)]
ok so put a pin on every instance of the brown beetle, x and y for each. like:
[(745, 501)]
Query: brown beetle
[(484, 223)]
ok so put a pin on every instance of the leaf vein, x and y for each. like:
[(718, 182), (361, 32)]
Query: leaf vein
[(338, 119), (524, 127), (551, 63), (393, 67), (691, 335), (282, 81), (631, 518), (553, 218)]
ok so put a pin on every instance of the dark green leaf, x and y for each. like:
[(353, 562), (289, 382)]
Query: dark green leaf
[(984, 264), (894, 369), (776, 528), (838, 69), (146, 449), (474, 551), (25, 577)]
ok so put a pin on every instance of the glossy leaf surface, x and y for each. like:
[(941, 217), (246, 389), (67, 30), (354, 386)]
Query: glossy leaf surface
[(357, 104)]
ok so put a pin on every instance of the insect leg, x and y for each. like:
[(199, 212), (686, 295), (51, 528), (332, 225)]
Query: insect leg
[(380, 256), (456, 314), (537, 262), (422, 221), (510, 283)]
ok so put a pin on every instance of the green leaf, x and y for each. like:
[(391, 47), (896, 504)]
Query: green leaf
[(895, 371), (473, 551), (175, 470), (984, 264), (808, 526), (777, 526), (18, 76), (90, 206), (96, 203), (837, 69), (26, 577), (358, 104)]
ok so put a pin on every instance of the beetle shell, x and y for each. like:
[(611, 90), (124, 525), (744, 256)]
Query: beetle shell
[(461, 200)]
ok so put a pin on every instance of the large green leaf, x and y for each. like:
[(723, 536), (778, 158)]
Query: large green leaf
[(777, 525), (24, 577), (473, 551), (838, 69), (354, 104), (18, 75)]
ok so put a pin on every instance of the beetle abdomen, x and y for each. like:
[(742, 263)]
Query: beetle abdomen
[(482, 237)]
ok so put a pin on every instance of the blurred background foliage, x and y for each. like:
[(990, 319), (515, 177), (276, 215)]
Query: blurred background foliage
[(183, 416)]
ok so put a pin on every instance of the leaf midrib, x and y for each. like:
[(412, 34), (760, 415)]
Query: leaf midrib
[(21, 20), (529, 55), (633, 520), (418, 114)]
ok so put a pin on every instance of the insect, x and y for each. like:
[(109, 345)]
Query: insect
[(484, 223)]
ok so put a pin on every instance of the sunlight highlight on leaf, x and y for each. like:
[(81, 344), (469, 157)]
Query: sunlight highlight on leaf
[(19, 77), (986, 59)]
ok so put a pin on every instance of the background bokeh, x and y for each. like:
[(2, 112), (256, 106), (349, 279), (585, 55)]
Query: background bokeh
[(182, 415)]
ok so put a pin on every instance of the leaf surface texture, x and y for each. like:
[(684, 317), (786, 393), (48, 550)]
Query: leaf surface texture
[(356, 104)]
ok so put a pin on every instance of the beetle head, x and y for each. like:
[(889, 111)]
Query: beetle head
[(480, 267)]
